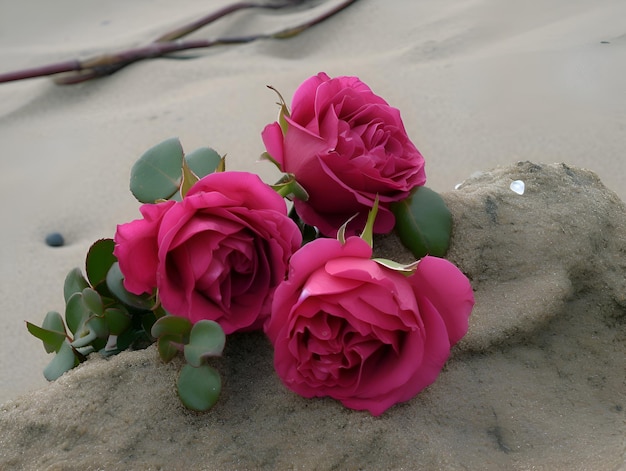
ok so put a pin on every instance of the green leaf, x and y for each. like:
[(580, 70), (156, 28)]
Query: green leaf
[(115, 283), (63, 361), (169, 325), (157, 174), (75, 282), (341, 232), (52, 340), (169, 345), (118, 319), (199, 388), (221, 167), (189, 179), (203, 161), (147, 321), (99, 260), (172, 333), (76, 313), (206, 339), (53, 321), (99, 343), (93, 327), (284, 111), (267, 156), (368, 232), (84, 338), (289, 188), (159, 312), (404, 268), (423, 223), (99, 326), (93, 301), (94, 332)]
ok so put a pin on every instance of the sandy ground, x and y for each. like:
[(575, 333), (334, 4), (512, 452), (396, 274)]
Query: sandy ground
[(480, 83), (536, 384)]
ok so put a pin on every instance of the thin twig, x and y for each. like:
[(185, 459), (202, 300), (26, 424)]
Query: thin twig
[(197, 24), (107, 64), (50, 69)]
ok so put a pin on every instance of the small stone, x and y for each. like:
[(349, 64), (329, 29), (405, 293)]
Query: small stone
[(518, 187), (54, 239)]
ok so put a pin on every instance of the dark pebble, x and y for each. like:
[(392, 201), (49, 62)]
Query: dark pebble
[(55, 239)]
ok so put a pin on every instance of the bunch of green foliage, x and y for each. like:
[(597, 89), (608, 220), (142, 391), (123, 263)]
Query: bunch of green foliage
[(102, 316)]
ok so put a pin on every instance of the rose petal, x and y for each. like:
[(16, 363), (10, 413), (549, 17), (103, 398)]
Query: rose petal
[(441, 283), (315, 254), (272, 137), (303, 101), (435, 347), (321, 283), (243, 189), (136, 248)]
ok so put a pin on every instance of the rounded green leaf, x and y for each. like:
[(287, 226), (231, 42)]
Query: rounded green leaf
[(158, 172), (159, 311), (99, 260), (171, 325), (199, 388), (423, 223), (52, 340), (53, 321), (84, 338), (99, 326), (203, 161), (118, 319), (115, 283), (168, 346), (206, 340), (75, 282), (63, 361), (93, 301), (98, 344), (76, 313)]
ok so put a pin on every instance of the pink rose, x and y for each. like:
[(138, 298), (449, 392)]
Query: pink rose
[(345, 145), (346, 327), (218, 254)]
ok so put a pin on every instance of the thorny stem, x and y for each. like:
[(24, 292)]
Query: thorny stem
[(107, 64)]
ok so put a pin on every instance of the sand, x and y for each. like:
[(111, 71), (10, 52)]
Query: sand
[(537, 383), (480, 84)]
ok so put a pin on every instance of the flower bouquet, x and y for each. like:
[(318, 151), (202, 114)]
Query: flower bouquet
[(218, 251)]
